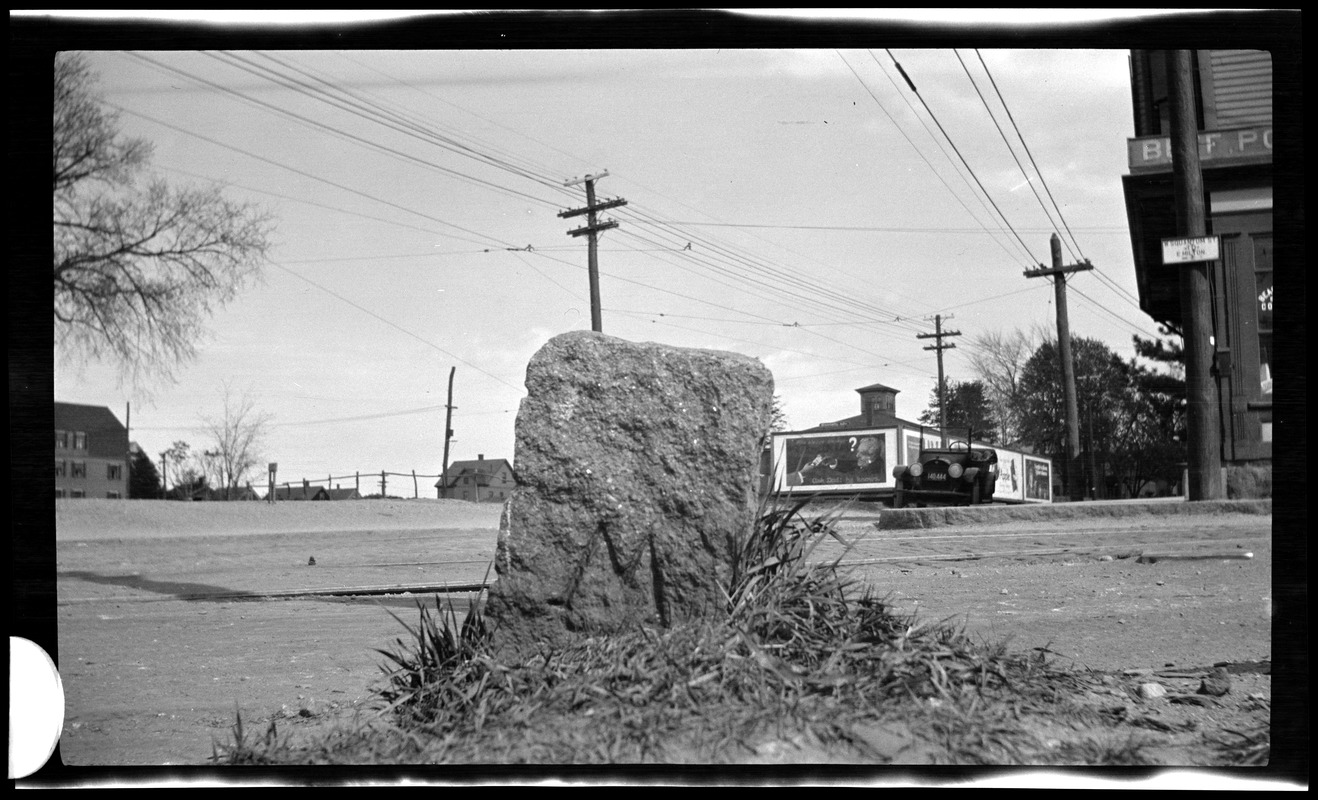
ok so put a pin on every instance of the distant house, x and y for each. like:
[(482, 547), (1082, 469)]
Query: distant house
[(91, 452), (237, 493), (343, 494), (303, 492), (481, 481)]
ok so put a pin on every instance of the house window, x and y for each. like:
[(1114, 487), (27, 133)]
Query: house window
[(79, 469), (114, 472), (113, 496), (61, 468), (62, 440), (79, 440), (77, 493)]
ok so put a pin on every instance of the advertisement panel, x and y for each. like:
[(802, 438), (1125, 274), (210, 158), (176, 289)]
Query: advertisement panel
[(849, 460), (1011, 476), (1038, 480)]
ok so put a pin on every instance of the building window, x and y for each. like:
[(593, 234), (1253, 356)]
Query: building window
[(62, 440), (59, 493), (113, 496), (114, 472), (79, 440), (61, 468), (79, 469), (77, 493)]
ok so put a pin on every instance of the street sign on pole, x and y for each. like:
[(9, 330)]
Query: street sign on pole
[(1188, 250)]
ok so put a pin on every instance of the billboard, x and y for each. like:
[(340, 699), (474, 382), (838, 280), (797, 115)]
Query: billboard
[(1011, 476), (848, 460), (1038, 479)]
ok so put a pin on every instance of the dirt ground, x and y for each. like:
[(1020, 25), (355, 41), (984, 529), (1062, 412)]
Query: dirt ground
[(161, 640)]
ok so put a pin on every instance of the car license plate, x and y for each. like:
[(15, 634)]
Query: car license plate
[(937, 476)]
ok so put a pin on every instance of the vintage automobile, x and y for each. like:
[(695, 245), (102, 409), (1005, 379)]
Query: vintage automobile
[(958, 474)]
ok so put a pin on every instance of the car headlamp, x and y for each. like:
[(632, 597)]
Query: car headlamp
[(954, 470), (917, 469)]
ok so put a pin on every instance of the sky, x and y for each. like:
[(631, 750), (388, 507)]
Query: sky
[(804, 207)]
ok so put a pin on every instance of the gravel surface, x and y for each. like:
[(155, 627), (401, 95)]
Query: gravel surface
[(152, 677), (88, 519)]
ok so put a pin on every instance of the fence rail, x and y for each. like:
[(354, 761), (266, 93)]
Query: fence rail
[(335, 483)]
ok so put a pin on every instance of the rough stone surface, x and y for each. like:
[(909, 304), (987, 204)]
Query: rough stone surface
[(636, 471)]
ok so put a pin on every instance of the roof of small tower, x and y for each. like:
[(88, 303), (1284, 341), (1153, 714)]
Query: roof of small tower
[(877, 387)]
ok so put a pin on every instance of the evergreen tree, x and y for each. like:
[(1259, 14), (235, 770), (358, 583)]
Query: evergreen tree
[(143, 477), (968, 407)]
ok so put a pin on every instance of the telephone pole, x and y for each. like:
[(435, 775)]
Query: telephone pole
[(592, 229), (938, 334), (1204, 454), (1059, 272), (448, 433)]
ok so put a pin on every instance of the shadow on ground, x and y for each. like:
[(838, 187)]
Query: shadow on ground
[(177, 589)]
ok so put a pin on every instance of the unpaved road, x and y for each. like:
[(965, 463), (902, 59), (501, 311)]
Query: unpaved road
[(152, 679)]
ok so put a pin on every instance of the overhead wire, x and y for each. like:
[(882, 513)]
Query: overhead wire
[(828, 301), (397, 327), (956, 196), (1005, 140), (1078, 253), (780, 276), (522, 172), (957, 150)]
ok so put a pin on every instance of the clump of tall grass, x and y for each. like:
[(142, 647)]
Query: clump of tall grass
[(426, 666), (1249, 481), (1245, 748), (802, 651)]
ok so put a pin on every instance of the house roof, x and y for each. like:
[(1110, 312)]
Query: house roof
[(482, 469), (106, 435), (343, 494), (300, 493)]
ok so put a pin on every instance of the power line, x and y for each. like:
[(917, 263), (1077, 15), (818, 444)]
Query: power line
[(397, 327), (1005, 140), (955, 149), (1043, 180), (876, 228), (920, 153)]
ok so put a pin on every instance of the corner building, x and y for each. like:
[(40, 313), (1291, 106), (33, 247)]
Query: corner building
[(1233, 103)]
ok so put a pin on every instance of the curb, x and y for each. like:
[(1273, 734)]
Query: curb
[(916, 518)]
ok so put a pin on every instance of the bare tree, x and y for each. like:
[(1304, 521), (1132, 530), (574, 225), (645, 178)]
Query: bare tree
[(997, 359), (236, 438), (180, 462), (139, 265)]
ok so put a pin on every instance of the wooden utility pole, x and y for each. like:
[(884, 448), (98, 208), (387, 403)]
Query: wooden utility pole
[(128, 456), (448, 434), (1205, 449), (592, 229), (1059, 271), (938, 334)]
